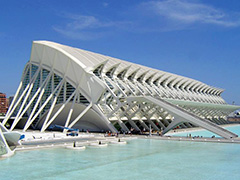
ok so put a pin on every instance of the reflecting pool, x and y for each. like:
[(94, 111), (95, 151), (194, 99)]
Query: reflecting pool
[(140, 159), (205, 133)]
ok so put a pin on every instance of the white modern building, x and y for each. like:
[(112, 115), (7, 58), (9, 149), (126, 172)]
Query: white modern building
[(80, 89)]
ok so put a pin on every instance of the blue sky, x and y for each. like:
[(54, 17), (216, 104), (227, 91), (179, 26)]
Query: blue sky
[(199, 39)]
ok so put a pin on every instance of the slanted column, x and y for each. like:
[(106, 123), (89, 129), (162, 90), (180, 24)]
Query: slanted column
[(71, 110), (80, 115), (30, 119), (122, 125), (161, 124), (46, 124), (176, 121), (153, 125), (2, 138), (10, 108), (143, 124), (133, 124)]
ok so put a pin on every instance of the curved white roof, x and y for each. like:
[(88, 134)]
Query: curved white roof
[(90, 60)]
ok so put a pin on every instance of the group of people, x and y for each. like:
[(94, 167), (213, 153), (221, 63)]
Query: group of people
[(109, 133), (190, 136)]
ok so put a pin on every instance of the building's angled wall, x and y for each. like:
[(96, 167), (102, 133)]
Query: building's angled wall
[(64, 65), (78, 88)]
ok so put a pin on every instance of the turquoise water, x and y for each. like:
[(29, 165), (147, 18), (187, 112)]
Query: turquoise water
[(141, 159), (205, 133)]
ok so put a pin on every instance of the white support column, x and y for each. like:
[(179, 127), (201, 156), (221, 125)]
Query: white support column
[(3, 128), (25, 90), (123, 126), (131, 105), (153, 125), (16, 120), (34, 109), (10, 108), (29, 121), (19, 100), (42, 106), (71, 110), (174, 123), (44, 127), (63, 83), (161, 124), (80, 115), (183, 125), (35, 95), (117, 85), (166, 121), (26, 97), (143, 124), (133, 124), (116, 109), (52, 107), (16, 94), (49, 112), (134, 113), (64, 91), (149, 116)]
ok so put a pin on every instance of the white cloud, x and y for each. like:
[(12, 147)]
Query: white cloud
[(151, 16), (82, 35), (86, 27), (105, 4), (189, 12), (80, 22)]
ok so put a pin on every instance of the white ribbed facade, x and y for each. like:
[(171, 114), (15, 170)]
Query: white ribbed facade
[(77, 88)]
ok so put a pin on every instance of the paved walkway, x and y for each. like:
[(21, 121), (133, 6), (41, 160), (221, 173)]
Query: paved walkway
[(192, 139), (35, 140)]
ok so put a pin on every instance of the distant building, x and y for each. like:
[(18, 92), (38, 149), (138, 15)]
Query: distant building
[(3, 103), (10, 98)]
